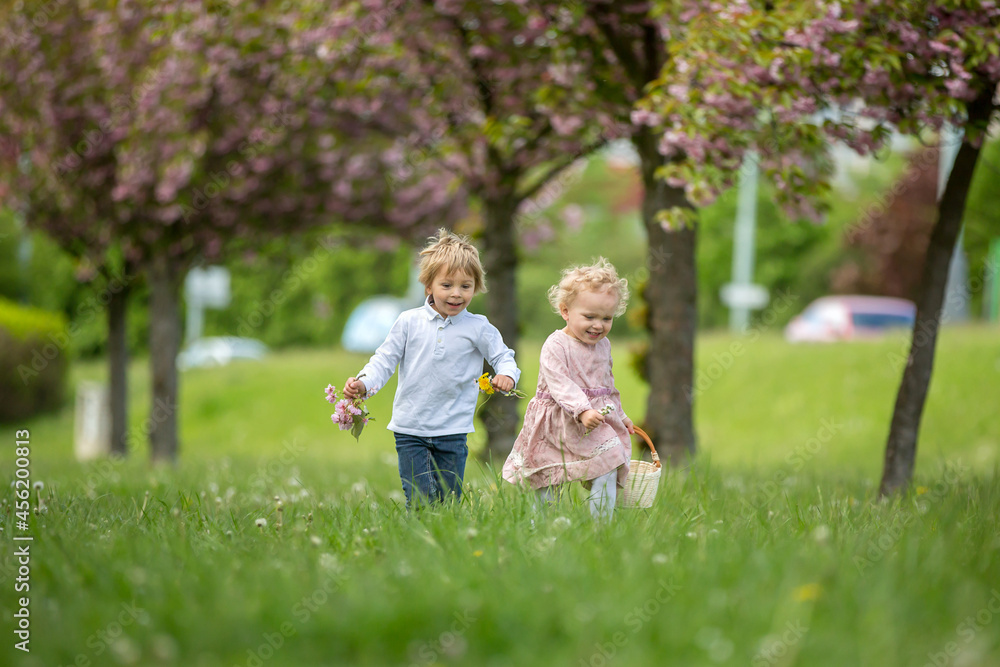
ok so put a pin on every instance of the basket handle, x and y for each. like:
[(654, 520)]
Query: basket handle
[(656, 457)]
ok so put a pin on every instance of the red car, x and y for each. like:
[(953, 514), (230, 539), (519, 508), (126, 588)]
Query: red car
[(832, 318)]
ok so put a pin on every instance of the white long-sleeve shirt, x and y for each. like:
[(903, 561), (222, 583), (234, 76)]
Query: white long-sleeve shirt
[(440, 359)]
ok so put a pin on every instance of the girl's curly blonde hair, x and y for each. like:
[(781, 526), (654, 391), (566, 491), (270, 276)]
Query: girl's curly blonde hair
[(598, 277)]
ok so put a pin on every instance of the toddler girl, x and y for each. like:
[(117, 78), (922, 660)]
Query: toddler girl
[(574, 427)]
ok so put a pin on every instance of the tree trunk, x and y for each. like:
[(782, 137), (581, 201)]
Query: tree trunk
[(164, 342), (500, 415), (671, 296), (901, 448), (118, 368)]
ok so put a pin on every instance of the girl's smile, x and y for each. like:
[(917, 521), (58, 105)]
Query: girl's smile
[(590, 315)]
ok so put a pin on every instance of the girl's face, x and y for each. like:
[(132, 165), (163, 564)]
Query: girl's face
[(590, 315), (451, 293)]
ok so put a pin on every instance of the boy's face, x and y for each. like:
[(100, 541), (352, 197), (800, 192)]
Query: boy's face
[(451, 293), (590, 316)]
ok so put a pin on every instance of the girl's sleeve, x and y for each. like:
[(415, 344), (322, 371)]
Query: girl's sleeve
[(383, 363), (565, 392)]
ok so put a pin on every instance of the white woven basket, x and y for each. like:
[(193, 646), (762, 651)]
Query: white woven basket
[(643, 478)]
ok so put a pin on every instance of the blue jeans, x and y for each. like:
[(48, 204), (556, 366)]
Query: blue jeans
[(431, 468)]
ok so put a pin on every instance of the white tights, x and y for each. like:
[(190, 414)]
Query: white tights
[(603, 493), (602, 496)]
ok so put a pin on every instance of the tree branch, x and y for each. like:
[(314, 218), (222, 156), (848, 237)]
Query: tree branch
[(482, 81), (619, 44), (652, 50), (558, 167)]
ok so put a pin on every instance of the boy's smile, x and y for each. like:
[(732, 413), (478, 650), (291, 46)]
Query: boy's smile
[(450, 294)]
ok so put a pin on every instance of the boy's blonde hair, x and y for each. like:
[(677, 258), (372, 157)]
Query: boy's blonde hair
[(452, 253), (598, 277)]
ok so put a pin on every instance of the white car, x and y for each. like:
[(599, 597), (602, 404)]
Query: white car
[(368, 326), (219, 351)]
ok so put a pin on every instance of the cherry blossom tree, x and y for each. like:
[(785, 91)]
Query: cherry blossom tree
[(780, 82), (171, 129), (60, 161), (496, 97), (623, 47)]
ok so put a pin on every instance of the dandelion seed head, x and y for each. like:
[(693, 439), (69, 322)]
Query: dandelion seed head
[(330, 562), (126, 651)]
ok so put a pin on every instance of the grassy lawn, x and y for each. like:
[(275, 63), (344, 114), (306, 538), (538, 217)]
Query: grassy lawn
[(758, 403), (770, 550)]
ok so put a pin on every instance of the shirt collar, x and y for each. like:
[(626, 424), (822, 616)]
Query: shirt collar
[(430, 313)]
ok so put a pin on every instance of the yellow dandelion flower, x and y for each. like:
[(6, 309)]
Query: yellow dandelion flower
[(477, 553), (808, 592), (921, 490), (485, 385)]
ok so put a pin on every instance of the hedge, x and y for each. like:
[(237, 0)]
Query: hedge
[(33, 361)]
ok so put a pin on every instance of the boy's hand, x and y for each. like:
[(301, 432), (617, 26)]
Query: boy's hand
[(503, 382), (629, 426), (354, 388), (591, 419)]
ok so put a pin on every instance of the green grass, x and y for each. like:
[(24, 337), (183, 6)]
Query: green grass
[(770, 400), (715, 573), (771, 550)]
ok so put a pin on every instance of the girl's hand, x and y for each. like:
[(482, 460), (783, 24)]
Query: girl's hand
[(591, 419), (503, 382), (354, 388), (629, 426)]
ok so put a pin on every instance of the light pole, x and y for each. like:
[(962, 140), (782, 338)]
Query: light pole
[(742, 295)]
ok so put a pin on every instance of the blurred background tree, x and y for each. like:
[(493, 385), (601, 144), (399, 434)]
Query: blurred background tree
[(887, 251)]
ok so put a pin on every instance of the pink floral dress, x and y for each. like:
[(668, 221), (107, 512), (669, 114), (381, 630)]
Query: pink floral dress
[(552, 448)]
